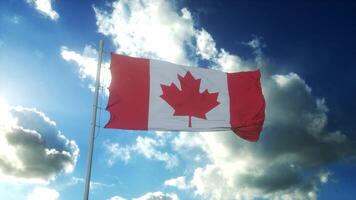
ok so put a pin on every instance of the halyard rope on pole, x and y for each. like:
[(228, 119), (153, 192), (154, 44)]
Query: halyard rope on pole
[(100, 107), (93, 122)]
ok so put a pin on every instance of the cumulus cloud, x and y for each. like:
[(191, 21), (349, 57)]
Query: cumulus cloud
[(219, 58), (178, 182), (45, 7), (43, 193), (145, 146), (148, 29), (87, 64), (295, 142), (152, 29), (157, 196), (257, 44), (206, 47), (117, 198), (156, 29), (32, 148), (151, 196), (116, 152), (141, 29)]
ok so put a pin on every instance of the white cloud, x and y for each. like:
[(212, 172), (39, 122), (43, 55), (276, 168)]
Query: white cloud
[(117, 198), (157, 196), (257, 44), (45, 7), (151, 196), (206, 46), (148, 148), (87, 64), (145, 146), (155, 29), (178, 182), (32, 149), (287, 80), (151, 28), (93, 184), (43, 193), (228, 62), (87, 61), (116, 152), (324, 177), (221, 59), (210, 183)]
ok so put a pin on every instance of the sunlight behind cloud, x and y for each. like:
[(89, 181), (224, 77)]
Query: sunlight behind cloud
[(6, 120), (7, 151)]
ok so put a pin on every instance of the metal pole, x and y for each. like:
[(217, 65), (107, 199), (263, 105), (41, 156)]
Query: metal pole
[(93, 122)]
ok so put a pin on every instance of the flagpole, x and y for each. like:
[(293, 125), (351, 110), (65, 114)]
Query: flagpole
[(93, 122)]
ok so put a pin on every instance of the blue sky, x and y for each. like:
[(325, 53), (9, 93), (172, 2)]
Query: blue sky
[(48, 52)]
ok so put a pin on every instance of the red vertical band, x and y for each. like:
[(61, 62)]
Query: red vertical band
[(129, 93), (247, 104)]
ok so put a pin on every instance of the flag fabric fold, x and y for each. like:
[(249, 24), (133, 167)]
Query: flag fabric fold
[(149, 94)]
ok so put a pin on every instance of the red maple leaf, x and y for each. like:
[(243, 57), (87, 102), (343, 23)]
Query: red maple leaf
[(189, 101)]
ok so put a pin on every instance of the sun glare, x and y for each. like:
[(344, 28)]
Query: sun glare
[(6, 119)]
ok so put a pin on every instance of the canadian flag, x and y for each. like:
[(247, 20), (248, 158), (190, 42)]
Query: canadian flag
[(149, 94)]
